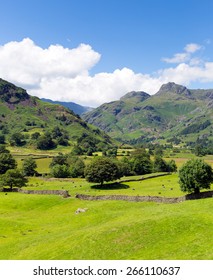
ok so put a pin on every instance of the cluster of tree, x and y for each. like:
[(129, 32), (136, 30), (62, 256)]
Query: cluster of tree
[(10, 175), (201, 147), (194, 175), (87, 144), (195, 128), (107, 169), (48, 140), (66, 165), (139, 163)]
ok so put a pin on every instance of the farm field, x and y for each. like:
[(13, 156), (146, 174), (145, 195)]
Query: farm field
[(46, 226)]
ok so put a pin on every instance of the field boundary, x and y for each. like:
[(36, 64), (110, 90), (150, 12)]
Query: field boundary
[(139, 198), (63, 193), (151, 176)]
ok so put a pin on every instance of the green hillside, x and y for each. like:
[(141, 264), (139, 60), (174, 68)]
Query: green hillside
[(28, 118), (173, 112)]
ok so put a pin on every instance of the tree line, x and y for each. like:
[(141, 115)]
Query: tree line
[(194, 175)]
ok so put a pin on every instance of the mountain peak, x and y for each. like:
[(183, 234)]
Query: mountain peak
[(139, 96), (12, 94), (174, 88)]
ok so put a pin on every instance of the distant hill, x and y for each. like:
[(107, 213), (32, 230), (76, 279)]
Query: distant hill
[(174, 112), (76, 108), (25, 114)]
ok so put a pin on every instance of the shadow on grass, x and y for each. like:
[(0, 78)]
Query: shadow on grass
[(113, 186)]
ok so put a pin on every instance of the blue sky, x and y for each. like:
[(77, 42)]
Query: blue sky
[(91, 51)]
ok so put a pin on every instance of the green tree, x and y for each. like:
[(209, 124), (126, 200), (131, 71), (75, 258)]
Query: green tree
[(125, 167), (77, 150), (45, 142), (35, 135), (171, 166), (60, 159), (17, 139), (60, 171), (195, 175), (199, 150), (141, 163), (102, 170), (29, 167), (159, 164), (13, 178), (6, 161), (2, 139), (77, 167)]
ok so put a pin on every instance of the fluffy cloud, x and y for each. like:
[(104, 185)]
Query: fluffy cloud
[(25, 63), (63, 74), (101, 88), (185, 56), (191, 48)]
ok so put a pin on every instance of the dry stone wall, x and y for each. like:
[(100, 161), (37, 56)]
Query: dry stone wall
[(138, 198), (63, 193)]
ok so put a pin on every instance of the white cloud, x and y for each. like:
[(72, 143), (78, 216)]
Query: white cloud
[(185, 56), (191, 48), (25, 63), (101, 88), (177, 58), (63, 74)]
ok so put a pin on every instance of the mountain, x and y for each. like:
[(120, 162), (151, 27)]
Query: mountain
[(76, 108), (173, 112), (25, 114)]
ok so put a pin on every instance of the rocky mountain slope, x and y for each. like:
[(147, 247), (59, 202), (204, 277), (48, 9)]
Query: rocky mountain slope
[(173, 112), (22, 113)]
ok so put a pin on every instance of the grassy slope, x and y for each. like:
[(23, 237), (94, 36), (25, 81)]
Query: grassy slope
[(46, 227)]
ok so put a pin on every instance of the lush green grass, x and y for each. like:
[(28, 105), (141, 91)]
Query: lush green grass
[(46, 227), (167, 186)]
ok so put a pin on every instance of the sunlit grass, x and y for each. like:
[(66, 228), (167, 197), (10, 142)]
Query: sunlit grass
[(46, 227)]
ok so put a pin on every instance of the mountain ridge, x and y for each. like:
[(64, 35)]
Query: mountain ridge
[(25, 114), (163, 115), (76, 108)]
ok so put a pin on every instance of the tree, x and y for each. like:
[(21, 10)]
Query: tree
[(159, 164), (6, 160), (60, 159), (102, 170), (29, 166), (171, 165), (60, 171), (13, 178), (200, 151), (45, 142), (2, 139), (195, 175), (141, 163), (35, 135), (77, 167), (17, 139)]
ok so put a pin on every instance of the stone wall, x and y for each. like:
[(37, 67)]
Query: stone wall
[(63, 193), (158, 199)]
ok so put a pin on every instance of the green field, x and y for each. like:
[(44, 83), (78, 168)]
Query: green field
[(46, 226)]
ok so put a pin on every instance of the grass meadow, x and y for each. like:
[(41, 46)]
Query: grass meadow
[(46, 226)]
